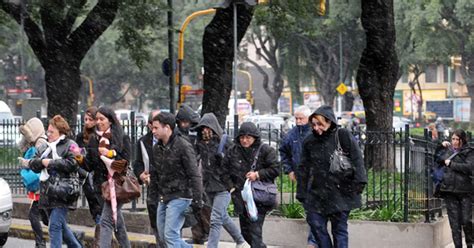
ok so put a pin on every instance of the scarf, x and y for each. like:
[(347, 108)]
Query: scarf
[(105, 137), (51, 149)]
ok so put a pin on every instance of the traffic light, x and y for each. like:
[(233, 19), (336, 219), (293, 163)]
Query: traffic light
[(248, 95)]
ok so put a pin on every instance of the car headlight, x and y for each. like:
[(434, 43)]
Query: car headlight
[(7, 215)]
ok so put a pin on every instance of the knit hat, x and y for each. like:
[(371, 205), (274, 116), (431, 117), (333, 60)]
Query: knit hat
[(32, 130)]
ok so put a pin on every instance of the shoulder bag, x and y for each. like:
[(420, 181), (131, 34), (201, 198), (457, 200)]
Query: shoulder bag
[(340, 163), (264, 193), (63, 188), (127, 188)]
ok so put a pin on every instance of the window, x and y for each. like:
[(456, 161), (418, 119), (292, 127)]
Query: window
[(446, 71), (431, 74)]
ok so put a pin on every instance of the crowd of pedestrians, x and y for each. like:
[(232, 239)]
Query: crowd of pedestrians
[(193, 171)]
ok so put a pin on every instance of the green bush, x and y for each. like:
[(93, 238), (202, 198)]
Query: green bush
[(293, 211)]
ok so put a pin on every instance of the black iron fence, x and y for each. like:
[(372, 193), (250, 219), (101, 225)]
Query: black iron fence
[(398, 167)]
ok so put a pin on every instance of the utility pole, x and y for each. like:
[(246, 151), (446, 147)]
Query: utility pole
[(234, 73), (339, 97), (171, 55)]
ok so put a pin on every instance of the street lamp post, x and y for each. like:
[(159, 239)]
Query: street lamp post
[(234, 72), (171, 55)]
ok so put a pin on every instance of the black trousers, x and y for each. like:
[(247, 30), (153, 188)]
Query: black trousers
[(253, 231), (35, 216), (459, 208)]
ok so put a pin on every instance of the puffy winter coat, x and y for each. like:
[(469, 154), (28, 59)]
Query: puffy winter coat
[(238, 161), (458, 176), (65, 167), (322, 191)]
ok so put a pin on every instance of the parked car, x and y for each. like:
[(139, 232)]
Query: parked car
[(9, 134), (6, 207)]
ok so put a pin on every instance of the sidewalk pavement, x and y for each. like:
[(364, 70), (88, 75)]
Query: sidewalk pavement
[(21, 228)]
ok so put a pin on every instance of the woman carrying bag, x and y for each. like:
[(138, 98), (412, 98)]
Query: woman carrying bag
[(109, 144), (58, 165), (330, 196)]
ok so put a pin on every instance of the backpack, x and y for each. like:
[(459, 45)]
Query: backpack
[(29, 178)]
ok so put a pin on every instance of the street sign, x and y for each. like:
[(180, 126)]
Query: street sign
[(342, 88)]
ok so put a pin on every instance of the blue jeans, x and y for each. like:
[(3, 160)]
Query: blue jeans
[(219, 217), (318, 223), (107, 227), (170, 220), (311, 239), (58, 229)]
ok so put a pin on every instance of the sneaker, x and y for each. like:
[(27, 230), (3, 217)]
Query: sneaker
[(243, 245)]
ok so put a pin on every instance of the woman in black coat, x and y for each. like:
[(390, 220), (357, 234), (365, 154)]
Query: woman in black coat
[(238, 160), (111, 143), (457, 187), (59, 162), (327, 196)]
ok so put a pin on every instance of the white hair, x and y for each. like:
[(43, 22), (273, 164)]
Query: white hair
[(305, 110)]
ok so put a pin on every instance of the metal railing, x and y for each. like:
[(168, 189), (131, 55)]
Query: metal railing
[(400, 181)]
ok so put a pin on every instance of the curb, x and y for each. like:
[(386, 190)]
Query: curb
[(86, 237)]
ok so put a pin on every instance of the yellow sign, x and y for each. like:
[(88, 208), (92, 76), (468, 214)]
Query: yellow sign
[(342, 88)]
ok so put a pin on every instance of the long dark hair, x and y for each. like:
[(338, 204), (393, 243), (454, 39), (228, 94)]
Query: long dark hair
[(115, 127), (462, 136), (88, 132)]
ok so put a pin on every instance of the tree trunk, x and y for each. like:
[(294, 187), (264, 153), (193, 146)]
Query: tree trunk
[(377, 78), (293, 73), (63, 84), (218, 53)]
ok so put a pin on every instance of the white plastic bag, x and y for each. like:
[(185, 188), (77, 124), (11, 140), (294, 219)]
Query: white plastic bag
[(248, 201)]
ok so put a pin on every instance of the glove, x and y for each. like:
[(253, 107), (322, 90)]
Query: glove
[(24, 163)]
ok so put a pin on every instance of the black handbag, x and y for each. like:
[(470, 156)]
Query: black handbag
[(66, 189), (341, 164), (264, 193)]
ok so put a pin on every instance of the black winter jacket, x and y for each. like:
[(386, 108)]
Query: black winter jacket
[(94, 163), (458, 176), (65, 167), (176, 170), (238, 161), (211, 162), (322, 191), (139, 166)]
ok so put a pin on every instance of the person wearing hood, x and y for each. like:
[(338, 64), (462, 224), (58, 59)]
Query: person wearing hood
[(290, 150), (327, 196), (186, 119), (457, 186), (34, 140), (210, 148), (238, 161)]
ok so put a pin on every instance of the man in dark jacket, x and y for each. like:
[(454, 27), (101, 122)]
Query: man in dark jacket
[(238, 161), (290, 150), (145, 172), (210, 147), (186, 120), (178, 182), (327, 196)]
